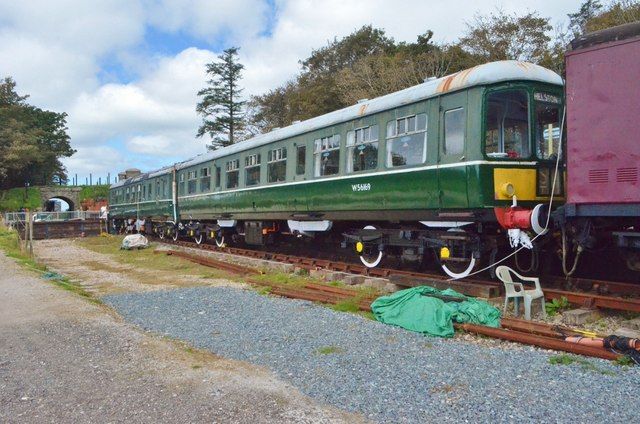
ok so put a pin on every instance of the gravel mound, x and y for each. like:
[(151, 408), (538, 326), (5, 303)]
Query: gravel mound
[(386, 373)]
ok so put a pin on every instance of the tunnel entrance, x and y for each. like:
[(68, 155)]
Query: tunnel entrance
[(58, 204)]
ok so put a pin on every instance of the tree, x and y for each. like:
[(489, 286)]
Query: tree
[(578, 21), (275, 109), (402, 66), (8, 95), (221, 106), (616, 13), (314, 91), (500, 36), (375, 76), (32, 141)]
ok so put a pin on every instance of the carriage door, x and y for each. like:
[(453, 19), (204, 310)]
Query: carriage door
[(452, 174)]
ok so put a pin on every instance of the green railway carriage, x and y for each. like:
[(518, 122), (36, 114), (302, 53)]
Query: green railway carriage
[(435, 166), (145, 195)]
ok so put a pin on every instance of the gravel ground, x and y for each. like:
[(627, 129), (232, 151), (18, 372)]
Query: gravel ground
[(383, 372), (63, 359)]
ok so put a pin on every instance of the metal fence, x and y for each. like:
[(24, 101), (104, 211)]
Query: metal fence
[(18, 217)]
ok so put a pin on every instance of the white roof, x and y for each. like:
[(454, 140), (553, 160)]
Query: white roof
[(489, 73)]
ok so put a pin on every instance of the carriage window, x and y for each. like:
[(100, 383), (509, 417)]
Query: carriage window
[(277, 168), (192, 182), (326, 153), (547, 130), (181, 185), (507, 125), (406, 140), (233, 173), (218, 177), (205, 180), (301, 159), (362, 149), (454, 128), (252, 169)]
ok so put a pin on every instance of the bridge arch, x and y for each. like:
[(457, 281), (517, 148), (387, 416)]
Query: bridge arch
[(71, 195)]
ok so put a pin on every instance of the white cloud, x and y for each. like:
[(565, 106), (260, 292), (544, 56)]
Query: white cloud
[(52, 49), (158, 144), (52, 75), (155, 115), (236, 20), (96, 160)]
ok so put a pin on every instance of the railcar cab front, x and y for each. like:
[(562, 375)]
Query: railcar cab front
[(521, 143)]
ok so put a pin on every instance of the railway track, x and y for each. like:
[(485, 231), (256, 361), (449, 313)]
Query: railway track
[(620, 296), (512, 329)]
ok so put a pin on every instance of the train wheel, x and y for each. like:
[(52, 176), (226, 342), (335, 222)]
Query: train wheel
[(464, 261), (161, 233), (174, 233), (219, 239), (459, 270), (198, 239), (370, 256)]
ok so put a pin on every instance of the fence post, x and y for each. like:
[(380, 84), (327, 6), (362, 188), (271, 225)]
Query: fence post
[(27, 227), (30, 235)]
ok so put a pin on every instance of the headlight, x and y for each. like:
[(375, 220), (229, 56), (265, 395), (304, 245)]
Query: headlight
[(508, 190)]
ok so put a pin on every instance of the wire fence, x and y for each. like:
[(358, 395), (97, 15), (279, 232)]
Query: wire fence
[(15, 218)]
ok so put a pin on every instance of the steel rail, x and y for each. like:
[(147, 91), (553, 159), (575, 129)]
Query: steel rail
[(538, 340), (491, 288)]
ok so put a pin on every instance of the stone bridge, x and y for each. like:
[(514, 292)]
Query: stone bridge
[(71, 195)]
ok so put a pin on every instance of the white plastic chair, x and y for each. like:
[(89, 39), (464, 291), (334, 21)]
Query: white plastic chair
[(515, 290)]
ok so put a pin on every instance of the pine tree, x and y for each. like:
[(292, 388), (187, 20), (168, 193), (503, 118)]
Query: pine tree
[(222, 110)]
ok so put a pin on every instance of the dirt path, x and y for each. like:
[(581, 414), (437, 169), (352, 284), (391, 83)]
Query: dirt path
[(102, 274), (64, 359)]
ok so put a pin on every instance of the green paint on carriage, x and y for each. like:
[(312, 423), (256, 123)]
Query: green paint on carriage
[(463, 181)]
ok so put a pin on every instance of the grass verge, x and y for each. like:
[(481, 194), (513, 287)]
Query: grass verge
[(10, 244), (146, 259), (585, 364), (328, 350)]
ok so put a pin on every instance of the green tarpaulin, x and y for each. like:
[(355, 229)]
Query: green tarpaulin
[(415, 310)]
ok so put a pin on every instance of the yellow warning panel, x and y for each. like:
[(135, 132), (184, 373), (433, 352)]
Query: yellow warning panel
[(508, 182)]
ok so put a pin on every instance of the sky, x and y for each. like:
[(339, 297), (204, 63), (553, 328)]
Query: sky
[(127, 71)]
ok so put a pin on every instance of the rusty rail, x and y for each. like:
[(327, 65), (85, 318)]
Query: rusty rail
[(471, 287), (594, 300), (600, 286), (225, 266), (514, 330), (538, 340)]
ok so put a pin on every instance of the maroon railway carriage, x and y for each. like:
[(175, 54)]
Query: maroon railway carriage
[(603, 142)]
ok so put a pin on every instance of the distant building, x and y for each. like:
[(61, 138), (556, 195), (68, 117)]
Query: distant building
[(128, 173), (53, 205)]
